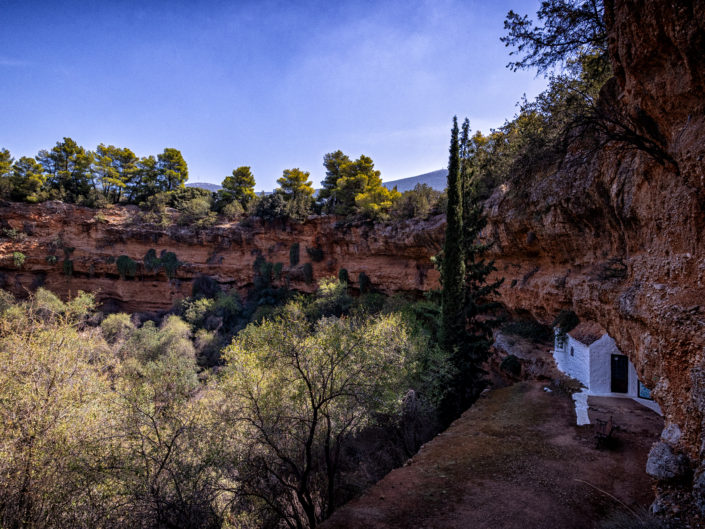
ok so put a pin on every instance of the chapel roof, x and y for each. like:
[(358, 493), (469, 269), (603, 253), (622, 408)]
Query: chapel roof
[(587, 332)]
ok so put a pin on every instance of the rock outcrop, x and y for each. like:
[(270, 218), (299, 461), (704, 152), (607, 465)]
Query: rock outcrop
[(617, 235), (396, 258)]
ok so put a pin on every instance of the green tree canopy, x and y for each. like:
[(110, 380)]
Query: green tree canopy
[(240, 186), (295, 183), (68, 169), (27, 180), (334, 162), (354, 186), (172, 169), (115, 168), (5, 171)]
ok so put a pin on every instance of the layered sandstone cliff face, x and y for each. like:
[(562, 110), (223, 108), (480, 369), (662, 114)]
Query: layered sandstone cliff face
[(618, 237), (396, 258)]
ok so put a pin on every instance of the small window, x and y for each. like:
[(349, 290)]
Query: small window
[(572, 351)]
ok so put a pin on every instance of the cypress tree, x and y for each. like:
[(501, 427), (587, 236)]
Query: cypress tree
[(453, 263), (466, 322)]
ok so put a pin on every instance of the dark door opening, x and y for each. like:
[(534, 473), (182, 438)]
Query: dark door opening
[(620, 374)]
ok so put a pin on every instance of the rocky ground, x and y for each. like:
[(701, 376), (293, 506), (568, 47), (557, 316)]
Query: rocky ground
[(516, 459)]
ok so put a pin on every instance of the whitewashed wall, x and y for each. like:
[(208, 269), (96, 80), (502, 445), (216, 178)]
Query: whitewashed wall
[(576, 365), (601, 353)]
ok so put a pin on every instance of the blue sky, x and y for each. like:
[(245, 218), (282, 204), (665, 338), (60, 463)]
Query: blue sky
[(269, 84)]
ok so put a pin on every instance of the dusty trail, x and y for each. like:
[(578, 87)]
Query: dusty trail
[(515, 460)]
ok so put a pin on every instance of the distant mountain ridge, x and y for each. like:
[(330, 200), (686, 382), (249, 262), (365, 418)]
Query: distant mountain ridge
[(434, 179), (205, 185)]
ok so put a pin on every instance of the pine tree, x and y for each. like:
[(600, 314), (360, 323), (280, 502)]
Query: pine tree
[(5, 171), (335, 163), (240, 186), (68, 168), (27, 180), (173, 170), (295, 184)]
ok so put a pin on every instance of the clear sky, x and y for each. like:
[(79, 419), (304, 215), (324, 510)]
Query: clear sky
[(269, 84)]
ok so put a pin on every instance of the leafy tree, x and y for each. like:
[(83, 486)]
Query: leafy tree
[(418, 203), (569, 31), (171, 445), (239, 187), (115, 167), (117, 327), (68, 169), (55, 415), (172, 170), (300, 395), (27, 180)]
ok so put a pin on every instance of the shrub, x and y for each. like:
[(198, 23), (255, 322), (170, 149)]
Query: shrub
[(170, 263), (52, 259), (331, 299), (308, 273), (270, 207), (278, 270), (151, 261), (365, 283), (205, 286), (419, 202), (197, 212), (7, 300), (343, 276), (47, 303), (294, 254), (68, 267), (195, 311), (13, 234), (126, 267), (117, 327), (18, 258), (233, 210)]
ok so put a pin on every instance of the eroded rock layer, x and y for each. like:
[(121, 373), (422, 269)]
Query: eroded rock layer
[(396, 258)]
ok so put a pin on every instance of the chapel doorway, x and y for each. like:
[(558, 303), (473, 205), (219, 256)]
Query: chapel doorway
[(620, 374)]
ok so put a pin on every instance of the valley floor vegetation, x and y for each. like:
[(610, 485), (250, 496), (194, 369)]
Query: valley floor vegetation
[(109, 422)]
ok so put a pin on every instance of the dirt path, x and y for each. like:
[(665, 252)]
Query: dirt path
[(513, 461)]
